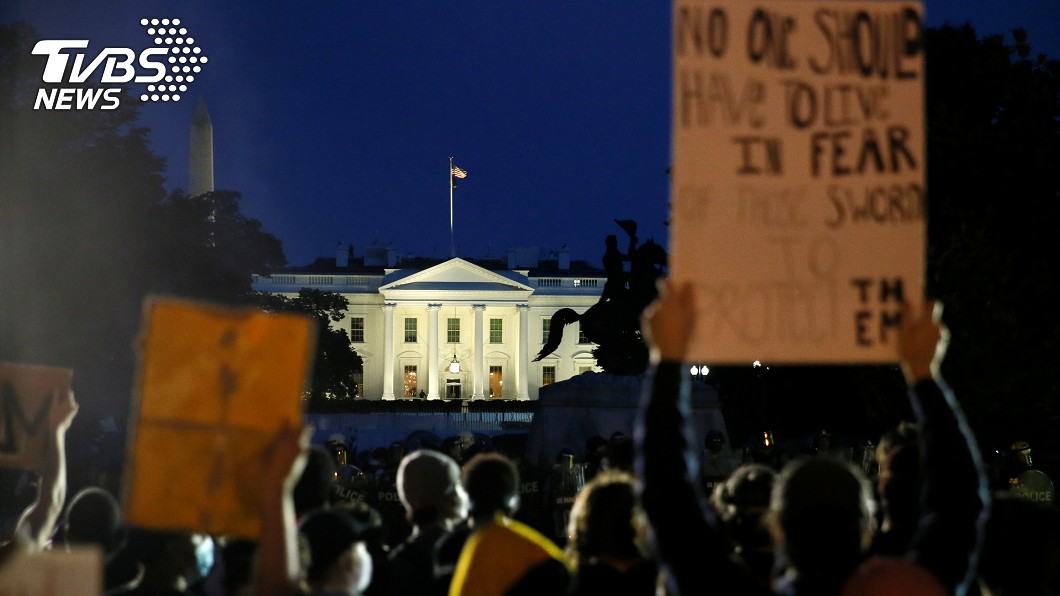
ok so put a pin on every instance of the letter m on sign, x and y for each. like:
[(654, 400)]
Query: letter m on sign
[(27, 394)]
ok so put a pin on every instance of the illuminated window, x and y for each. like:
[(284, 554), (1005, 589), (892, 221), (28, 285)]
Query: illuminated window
[(548, 375), (410, 380), (357, 330), (357, 380), (577, 282), (496, 382), (496, 331), (410, 330), (545, 324), (452, 331)]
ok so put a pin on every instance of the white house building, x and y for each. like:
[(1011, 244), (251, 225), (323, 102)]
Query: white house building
[(456, 328)]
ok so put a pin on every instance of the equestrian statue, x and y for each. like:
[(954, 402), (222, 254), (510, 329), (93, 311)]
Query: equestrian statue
[(613, 323)]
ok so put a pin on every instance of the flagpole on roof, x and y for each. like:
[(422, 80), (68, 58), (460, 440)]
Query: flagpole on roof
[(452, 242)]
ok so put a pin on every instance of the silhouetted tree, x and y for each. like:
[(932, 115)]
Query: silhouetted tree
[(75, 190), (206, 248), (336, 360), (994, 194), (86, 232)]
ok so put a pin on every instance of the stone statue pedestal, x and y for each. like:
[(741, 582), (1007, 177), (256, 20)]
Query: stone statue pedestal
[(571, 411)]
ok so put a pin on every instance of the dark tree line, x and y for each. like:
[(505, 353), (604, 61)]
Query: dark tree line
[(87, 231), (993, 176)]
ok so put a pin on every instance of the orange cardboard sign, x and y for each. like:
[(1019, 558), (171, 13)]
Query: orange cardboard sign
[(216, 384)]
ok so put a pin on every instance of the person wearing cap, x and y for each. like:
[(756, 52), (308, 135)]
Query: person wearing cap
[(428, 484), (339, 562), (820, 508)]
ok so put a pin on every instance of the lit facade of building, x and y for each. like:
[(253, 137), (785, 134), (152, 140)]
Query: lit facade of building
[(454, 329)]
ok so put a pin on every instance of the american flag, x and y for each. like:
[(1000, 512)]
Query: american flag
[(459, 173)]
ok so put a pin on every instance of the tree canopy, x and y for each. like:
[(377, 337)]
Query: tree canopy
[(87, 231), (335, 362), (993, 113)]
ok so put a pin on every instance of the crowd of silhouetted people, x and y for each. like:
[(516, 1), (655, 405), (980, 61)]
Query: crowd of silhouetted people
[(656, 513)]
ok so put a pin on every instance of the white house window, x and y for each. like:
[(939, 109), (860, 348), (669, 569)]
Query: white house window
[(410, 330), (545, 324), (496, 381), (452, 331), (410, 381), (548, 375), (357, 380), (496, 331), (357, 330), (582, 339)]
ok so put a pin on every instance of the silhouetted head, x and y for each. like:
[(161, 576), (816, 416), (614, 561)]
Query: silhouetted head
[(336, 543), (714, 442), (428, 483), (606, 520), (492, 483), (313, 490), (822, 513)]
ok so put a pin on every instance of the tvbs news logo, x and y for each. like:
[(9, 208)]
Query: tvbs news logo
[(167, 69)]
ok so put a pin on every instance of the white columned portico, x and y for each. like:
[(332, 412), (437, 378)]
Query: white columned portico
[(522, 358), (388, 350), (433, 374), (480, 354)]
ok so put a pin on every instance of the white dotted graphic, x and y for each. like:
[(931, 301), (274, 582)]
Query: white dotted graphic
[(168, 34)]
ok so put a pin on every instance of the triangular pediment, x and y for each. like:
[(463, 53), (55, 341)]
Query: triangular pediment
[(455, 275)]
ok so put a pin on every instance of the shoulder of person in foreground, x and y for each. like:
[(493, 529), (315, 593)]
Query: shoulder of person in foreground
[(510, 557)]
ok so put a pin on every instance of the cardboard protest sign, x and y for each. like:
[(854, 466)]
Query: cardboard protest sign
[(215, 386), (28, 399), (798, 176), (77, 571)]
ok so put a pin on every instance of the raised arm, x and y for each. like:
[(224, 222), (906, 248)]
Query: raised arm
[(954, 499), (277, 562), (40, 520), (666, 465)]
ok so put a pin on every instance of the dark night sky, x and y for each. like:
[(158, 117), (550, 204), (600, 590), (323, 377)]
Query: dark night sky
[(336, 119)]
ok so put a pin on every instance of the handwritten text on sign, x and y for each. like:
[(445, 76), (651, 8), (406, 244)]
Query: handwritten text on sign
[(798, 176), (29, 396)]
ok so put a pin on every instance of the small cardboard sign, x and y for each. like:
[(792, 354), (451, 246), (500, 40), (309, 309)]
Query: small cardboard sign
[(74, 572), (215, 386), (28, 395)]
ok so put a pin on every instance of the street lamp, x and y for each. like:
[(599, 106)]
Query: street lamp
[(454, 366)]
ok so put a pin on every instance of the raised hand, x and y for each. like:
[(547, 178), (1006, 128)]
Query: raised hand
[(668, 323)]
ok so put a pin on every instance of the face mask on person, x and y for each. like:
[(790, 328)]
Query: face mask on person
[(361, 573)]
